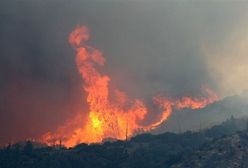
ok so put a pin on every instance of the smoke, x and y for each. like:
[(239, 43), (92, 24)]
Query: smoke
[(228, 64), (151, 47)]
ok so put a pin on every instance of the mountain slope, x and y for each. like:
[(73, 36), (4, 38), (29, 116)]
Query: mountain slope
[(226, 152), (145, 150), (213, 114)]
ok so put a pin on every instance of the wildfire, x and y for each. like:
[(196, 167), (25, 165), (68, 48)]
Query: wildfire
[(112, 115)]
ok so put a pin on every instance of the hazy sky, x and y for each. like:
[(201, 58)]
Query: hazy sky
[(174, 47)]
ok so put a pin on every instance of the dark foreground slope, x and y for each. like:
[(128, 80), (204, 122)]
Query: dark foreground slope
[(214, 147), (226, 152)]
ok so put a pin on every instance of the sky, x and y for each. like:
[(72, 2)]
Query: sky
[(151, 47)]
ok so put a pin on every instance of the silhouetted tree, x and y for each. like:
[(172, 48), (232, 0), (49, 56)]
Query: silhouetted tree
[(28, 148)]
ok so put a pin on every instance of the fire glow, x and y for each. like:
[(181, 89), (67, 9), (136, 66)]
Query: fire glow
[(112, 114)]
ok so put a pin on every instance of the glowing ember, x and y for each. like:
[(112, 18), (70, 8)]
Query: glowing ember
[(110, 116)]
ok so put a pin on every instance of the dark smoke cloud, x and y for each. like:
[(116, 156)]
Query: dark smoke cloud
[(150, 47)]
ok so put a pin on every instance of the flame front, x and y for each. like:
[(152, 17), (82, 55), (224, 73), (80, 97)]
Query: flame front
[(112, 114)]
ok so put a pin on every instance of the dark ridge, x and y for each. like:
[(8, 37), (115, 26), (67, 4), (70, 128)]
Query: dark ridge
[(188, 149)]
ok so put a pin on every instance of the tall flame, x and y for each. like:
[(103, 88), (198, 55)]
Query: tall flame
[(112, 114)]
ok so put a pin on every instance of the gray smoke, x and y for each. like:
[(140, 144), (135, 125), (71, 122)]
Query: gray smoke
[(150, 47)]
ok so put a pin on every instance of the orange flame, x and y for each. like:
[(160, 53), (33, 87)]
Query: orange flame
[(110, 116)]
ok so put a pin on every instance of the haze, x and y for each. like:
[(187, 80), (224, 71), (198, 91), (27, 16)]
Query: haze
[(151, 47)]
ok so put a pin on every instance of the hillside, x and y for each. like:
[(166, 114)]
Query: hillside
[(213, 114), (145, 150), (226, 152)]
